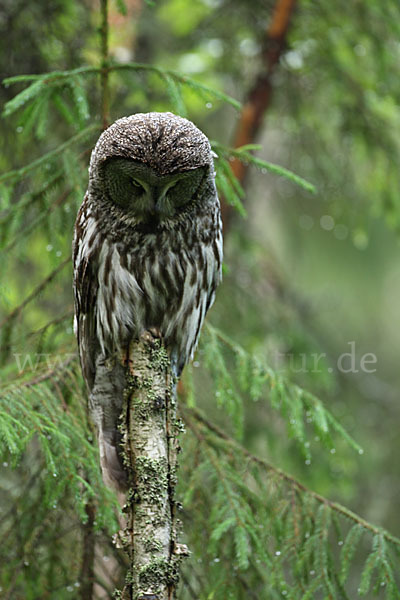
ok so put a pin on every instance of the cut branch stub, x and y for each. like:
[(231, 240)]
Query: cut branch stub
[(150, 427)]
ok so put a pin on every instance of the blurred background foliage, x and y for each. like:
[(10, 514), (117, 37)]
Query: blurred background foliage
[(305, 274)]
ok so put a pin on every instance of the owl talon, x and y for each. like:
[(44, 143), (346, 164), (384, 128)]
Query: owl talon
[(150, 335), (155, 332)]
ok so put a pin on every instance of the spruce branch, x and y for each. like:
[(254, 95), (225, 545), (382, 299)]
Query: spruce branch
[(52, 76), (17, 174), (38, 332), (168, 75), (253, 376), (194, 413), (51, 373), (243, 154), (17, 310), (31, 198), (56, 78), (25, 231)]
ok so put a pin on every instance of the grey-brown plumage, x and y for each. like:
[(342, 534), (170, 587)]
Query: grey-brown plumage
[(147, 255)]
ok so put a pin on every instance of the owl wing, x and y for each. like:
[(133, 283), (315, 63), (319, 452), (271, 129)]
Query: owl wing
[(85, 295), (104, 385)]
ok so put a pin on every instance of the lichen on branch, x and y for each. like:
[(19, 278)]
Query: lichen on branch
[(150, 427)]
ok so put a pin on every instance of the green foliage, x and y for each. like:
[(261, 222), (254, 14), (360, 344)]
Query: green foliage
[(243, 154), (277, 535), (46, 160), (121, 6), (247, 374), (351, 106), (44, 430), (32, 413)]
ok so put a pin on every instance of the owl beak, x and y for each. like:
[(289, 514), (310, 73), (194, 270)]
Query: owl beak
[(155, 201), (157, 208)]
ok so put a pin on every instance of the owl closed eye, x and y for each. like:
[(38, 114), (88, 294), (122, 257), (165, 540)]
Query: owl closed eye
[(141, 191)]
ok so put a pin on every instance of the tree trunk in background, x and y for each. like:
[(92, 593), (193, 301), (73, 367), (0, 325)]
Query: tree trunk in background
[(259, 96)]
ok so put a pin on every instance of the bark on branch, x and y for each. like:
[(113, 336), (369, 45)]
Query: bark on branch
[(150, 428)]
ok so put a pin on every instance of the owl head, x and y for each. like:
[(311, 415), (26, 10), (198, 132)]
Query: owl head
[(150, 166)]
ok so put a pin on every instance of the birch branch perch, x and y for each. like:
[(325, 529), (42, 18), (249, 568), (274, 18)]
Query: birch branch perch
[(150, 428)]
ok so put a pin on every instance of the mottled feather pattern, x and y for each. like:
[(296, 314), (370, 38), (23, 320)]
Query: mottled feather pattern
[(132, 275)]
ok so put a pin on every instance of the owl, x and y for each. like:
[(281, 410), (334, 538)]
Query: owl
[(147, 255)]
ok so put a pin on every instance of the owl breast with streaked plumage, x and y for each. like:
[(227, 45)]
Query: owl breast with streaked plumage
[(164, 279)]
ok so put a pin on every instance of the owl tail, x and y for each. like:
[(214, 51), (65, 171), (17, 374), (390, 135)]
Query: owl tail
[(106, 405), (113, 471)]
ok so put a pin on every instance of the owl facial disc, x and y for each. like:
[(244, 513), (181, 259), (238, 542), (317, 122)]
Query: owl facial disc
[(145, 194)]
